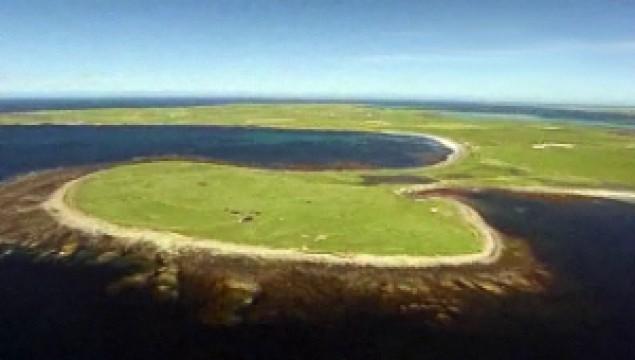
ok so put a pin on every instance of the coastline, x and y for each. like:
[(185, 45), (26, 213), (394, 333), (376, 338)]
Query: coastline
[(173, 243), (457, 150), (628, 196), (439, 297)]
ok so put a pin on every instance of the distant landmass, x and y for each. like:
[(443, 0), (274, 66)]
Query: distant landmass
[(607, 115)]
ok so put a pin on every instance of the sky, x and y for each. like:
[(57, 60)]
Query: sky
[(571, 51)]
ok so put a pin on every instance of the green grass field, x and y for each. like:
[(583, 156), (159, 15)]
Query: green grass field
[(296, 208), (317, 212)]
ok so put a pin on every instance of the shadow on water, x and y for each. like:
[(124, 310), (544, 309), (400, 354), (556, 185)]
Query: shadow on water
[(395, 179), (59, 309), (56, 309), (583, 240), (588, 244)]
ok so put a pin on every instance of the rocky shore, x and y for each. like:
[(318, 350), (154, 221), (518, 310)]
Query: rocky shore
[(226, 289)]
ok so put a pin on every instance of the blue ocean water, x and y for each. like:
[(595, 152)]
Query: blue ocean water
[(30, 148)]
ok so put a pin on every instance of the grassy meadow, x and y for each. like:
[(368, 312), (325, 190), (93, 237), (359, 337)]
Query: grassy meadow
[(316, 212)]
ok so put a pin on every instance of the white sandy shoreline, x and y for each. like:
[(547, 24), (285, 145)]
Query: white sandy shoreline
[(174, 243), (538, 189), (457, 150)]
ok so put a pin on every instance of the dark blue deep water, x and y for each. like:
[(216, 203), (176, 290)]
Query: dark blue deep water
[(29, 148)]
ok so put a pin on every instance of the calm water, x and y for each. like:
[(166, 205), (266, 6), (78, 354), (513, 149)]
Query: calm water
[(588, 244), (29, 148)]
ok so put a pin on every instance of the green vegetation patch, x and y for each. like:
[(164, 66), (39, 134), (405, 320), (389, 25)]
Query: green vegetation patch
[(314, 212)]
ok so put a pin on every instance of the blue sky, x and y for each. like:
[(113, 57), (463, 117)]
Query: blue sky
[(578, 51)]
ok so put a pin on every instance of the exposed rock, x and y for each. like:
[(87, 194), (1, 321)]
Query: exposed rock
[(246, 218), (7, 252), (443, 318), (450, 284), (407, 288), (165, 293), (135, 281), (231, 296), (464, 283), (106, 257), (166, 277), (68, 249), (492, 288)]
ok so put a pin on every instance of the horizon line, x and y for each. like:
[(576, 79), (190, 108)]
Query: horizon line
[(321, 98)]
